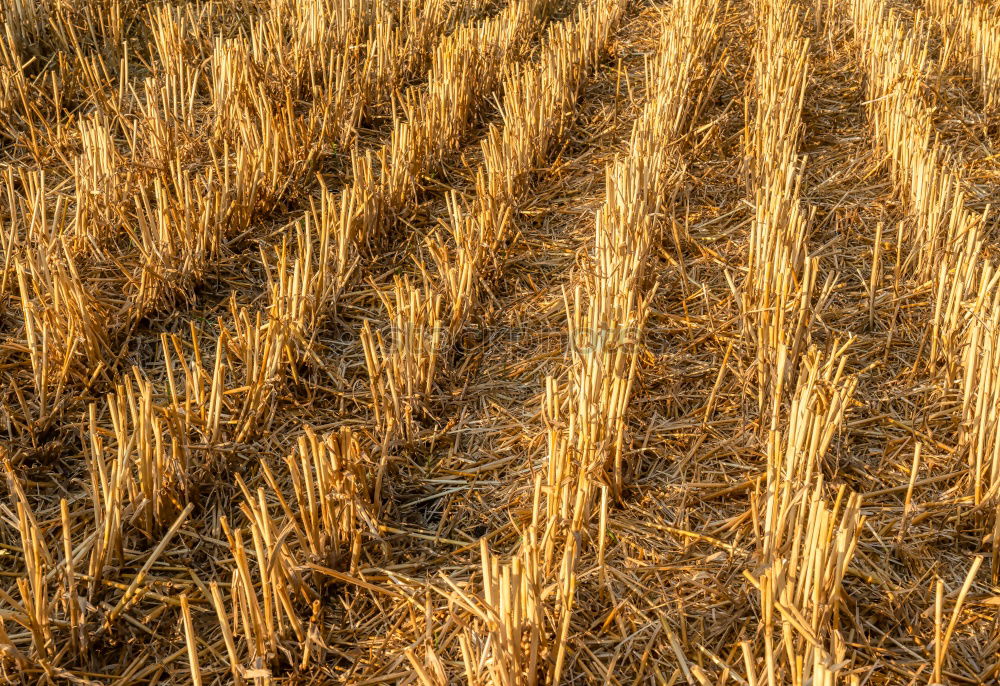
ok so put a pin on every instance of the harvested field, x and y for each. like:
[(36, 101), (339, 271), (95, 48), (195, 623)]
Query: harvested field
[(499, 343)]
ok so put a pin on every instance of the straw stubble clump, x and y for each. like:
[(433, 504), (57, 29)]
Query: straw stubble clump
[(499, 343)]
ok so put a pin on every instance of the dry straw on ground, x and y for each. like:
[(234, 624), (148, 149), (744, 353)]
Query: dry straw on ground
[(499, 343)]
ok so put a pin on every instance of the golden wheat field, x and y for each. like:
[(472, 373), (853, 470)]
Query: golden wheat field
[(499, 342)]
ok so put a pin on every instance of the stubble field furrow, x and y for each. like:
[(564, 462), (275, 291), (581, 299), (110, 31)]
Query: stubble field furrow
[(528, 343)]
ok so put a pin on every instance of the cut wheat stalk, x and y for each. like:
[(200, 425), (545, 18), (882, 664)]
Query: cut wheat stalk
[(132, 594), (102, 187), (538, 99), (178, 233), (196, 401), (402, 44), (805, 545), (334, 510), (260, 145), (402, 369), (943, 638), (972, 34), (947, 236), (257, 348), (303, 292), (107, 494), (949, 243), (322, 520), (980, 384), (606, 340), (58, 306), (191, 639), (263, 604), (36, 611), (202, 201), (464, 71), (461, 76), (155, 463), (585, 417), (778, 290)]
